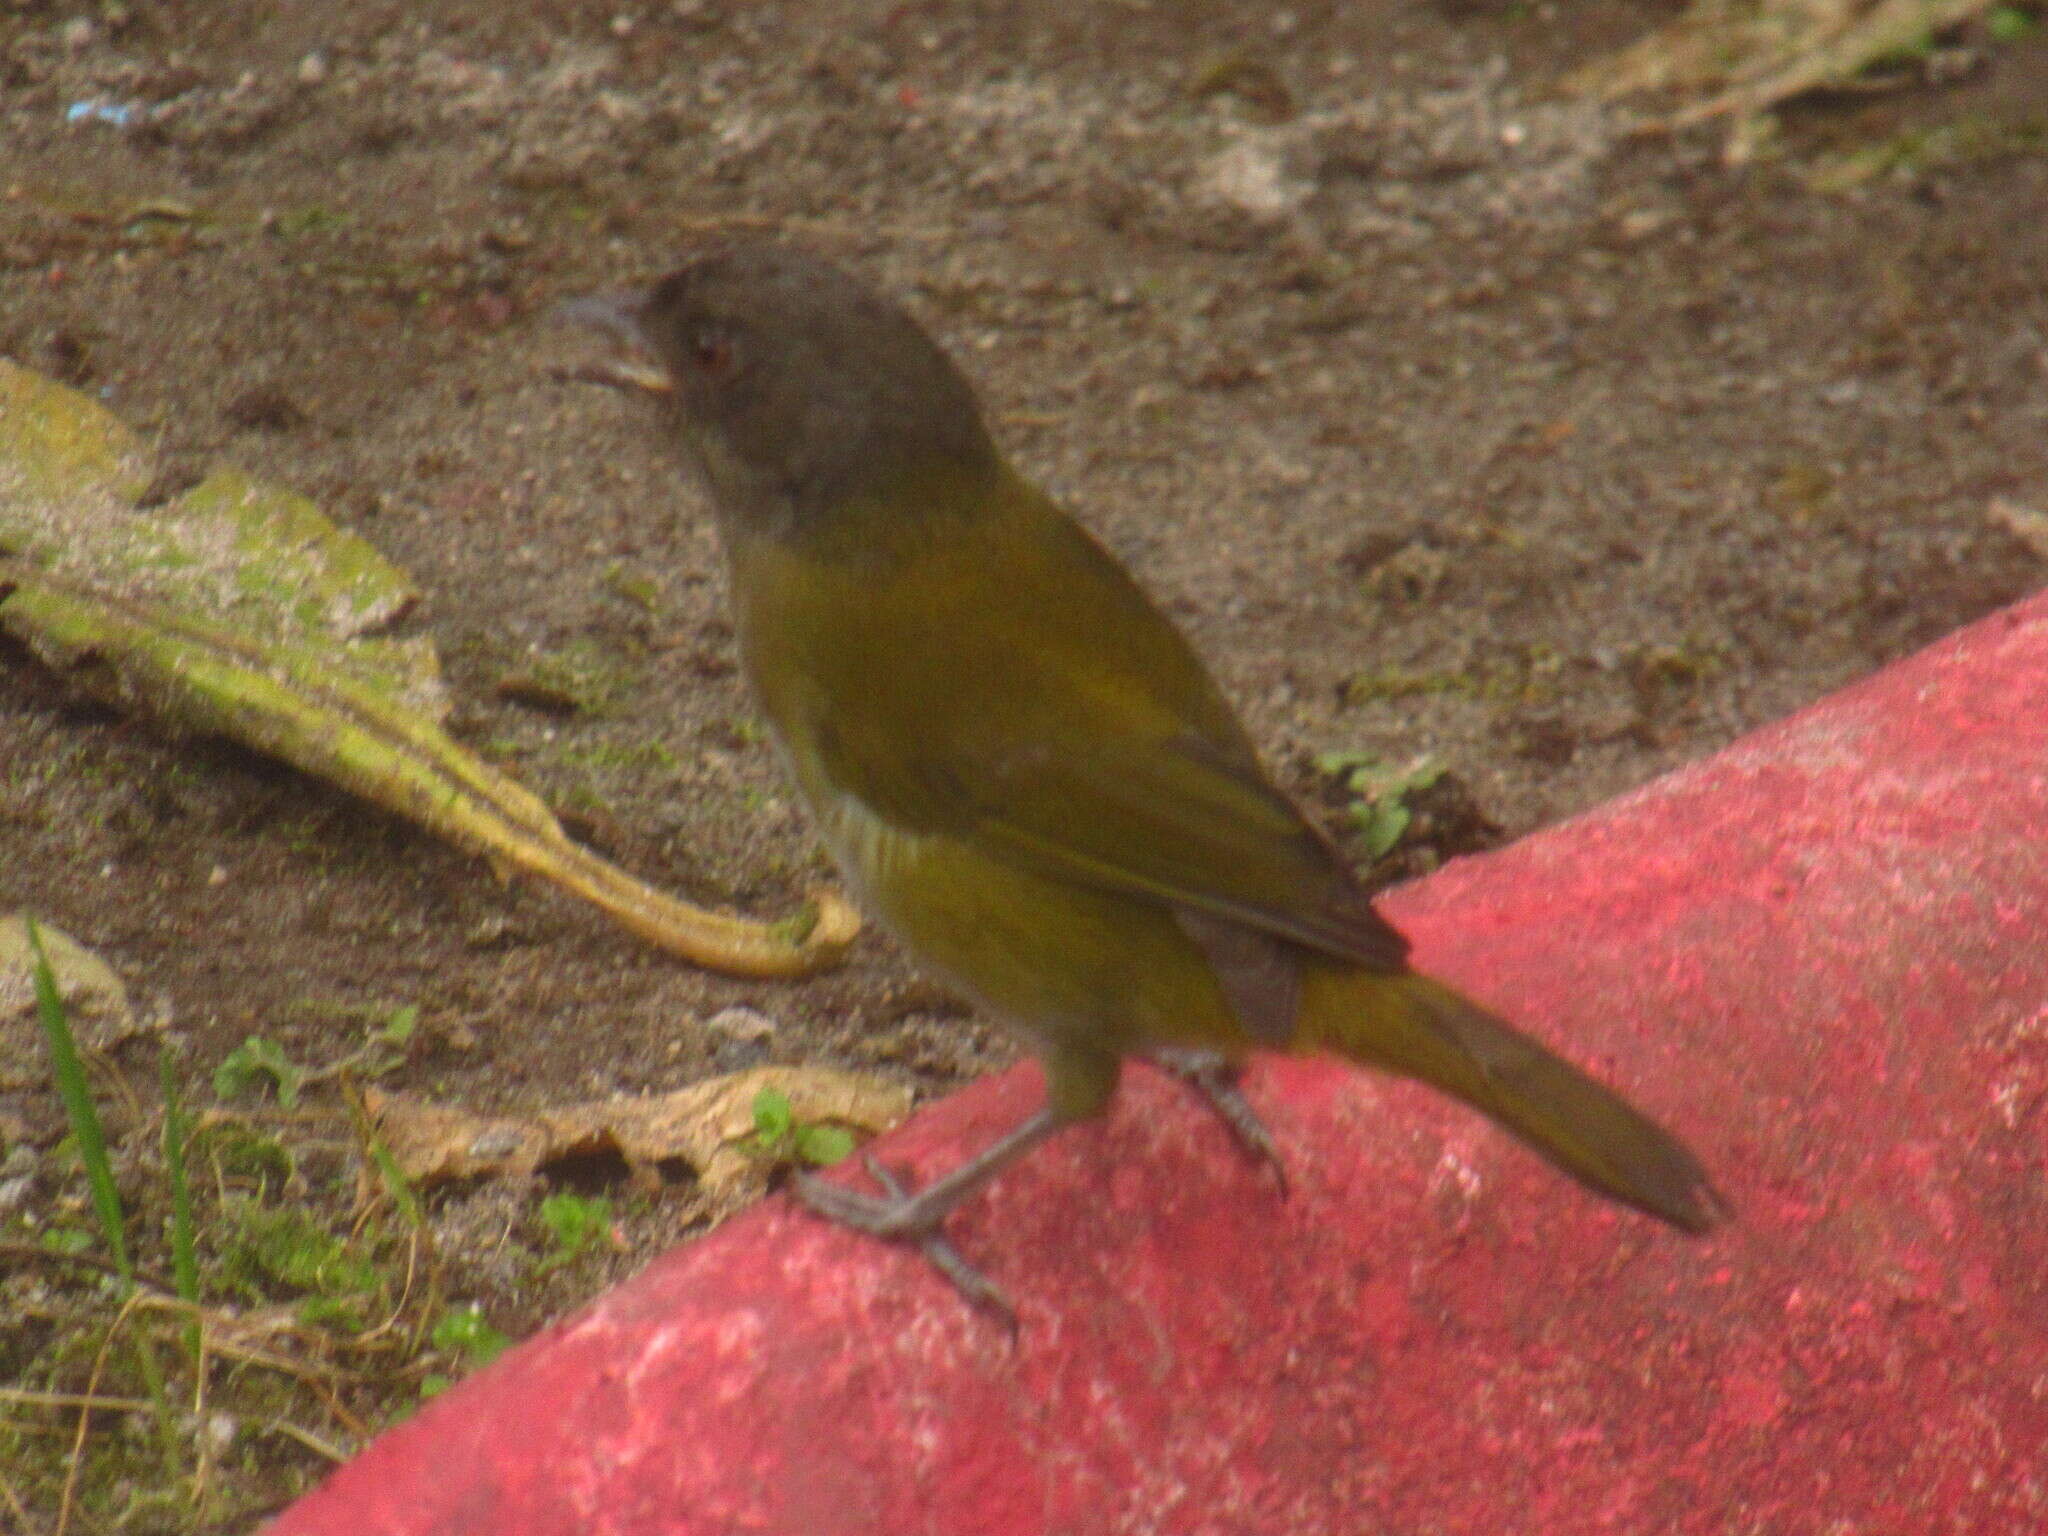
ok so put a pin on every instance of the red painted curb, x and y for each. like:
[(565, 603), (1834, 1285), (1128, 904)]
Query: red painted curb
[(1821, 956)]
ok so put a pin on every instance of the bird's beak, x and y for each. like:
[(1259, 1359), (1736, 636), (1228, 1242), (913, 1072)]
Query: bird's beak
[(630, 360)]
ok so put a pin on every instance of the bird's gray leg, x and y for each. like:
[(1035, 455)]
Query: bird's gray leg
[(902, 1216), (1214, 1077)]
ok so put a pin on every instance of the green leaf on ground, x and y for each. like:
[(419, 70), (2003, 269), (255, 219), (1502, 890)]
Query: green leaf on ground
[(254, 1058), (237, 608)]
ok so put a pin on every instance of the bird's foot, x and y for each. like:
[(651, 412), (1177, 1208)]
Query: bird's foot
[(900, 1216), (1215, 1078)]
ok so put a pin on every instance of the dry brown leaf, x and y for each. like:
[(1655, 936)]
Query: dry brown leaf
[(707, 1125)]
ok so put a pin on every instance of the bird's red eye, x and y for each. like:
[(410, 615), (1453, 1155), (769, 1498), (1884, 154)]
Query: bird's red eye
[(711, 353)]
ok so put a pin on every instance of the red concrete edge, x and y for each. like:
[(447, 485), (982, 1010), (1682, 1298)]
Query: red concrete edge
[(1818, 954)]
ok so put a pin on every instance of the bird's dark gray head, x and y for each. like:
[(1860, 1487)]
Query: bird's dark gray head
[(797, 389)]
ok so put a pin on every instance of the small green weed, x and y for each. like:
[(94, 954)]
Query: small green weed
[(254, 1059), (282, 1247), (467, 1335), (779, 1137), (576, 1225), (388, 1037), (1379, 793)]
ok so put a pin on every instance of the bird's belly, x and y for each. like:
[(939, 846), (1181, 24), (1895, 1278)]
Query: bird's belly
[(1053, 959)]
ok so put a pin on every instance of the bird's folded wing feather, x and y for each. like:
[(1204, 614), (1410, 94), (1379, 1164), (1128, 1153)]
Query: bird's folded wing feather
[(1078, 787), (1014, 685)]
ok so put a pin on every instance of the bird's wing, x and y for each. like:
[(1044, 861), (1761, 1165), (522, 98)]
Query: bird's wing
[(1064, 723), (1173, 817), (1181, 819)]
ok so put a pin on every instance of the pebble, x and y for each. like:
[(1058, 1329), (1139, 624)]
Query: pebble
[(1251, 176), (741, 1023)]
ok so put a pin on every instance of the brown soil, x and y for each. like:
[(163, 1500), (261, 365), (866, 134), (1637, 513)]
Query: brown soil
[(1445, 415)]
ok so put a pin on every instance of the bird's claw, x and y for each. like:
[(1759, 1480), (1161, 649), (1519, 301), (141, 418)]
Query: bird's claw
[(897, 1216), (894, 1214), (1215, 1079)]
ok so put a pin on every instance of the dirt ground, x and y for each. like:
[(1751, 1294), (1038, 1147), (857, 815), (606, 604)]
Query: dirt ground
[(1447, 414)]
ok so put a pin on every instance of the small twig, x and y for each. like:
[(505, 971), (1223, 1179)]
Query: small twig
[(29, 1398), (201, 1472), (307, 1438), (229, 1330), (423, 1244), (99, 1365), (419, 1250), (390, 1323), (103, 1064), (317, 1378), (609, 375), (31, 1426), (22, 1522), (254, 1116), (351, 1422)]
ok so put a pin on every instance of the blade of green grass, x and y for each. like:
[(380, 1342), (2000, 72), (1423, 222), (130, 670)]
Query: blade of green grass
[(85, 1120), (72, 1088), (177, 1130)]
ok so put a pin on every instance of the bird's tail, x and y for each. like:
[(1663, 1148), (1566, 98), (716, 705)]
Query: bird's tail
[(1420, 1028)]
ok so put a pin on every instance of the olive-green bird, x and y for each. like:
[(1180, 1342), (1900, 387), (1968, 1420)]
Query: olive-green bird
[(1020, 764)]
